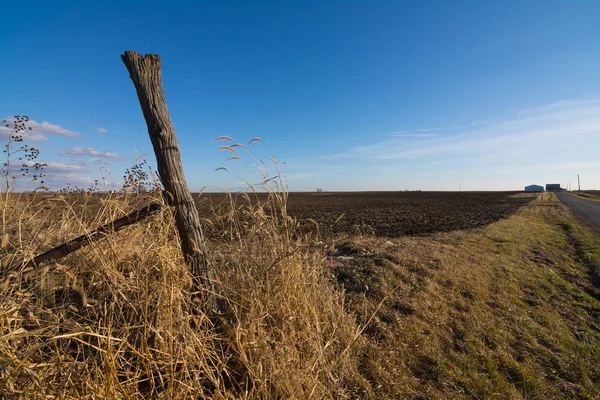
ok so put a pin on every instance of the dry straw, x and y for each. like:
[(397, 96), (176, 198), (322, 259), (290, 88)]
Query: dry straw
[(117, 320)]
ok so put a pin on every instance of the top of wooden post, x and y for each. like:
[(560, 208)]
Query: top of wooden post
[(134, 56)]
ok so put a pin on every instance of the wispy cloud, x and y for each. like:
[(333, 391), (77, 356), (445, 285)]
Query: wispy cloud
[(38, 131), (550, 143), (59, 181), (46, 127), (346, 140), (558, 105), (88, 152), (411, 134), (562, 130), (415, 133), (101, 130), (424, 132), (59, 168), (56, 175)]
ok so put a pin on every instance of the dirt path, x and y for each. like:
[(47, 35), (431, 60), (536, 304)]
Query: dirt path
[(586, 208)]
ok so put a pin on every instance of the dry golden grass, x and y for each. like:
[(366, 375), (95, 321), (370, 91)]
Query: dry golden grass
[(506, 311), (121, 323)]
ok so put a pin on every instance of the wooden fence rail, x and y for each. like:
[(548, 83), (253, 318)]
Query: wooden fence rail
[(31, 267)]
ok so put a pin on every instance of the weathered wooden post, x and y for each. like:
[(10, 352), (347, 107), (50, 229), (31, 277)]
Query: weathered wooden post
[(146, 76)]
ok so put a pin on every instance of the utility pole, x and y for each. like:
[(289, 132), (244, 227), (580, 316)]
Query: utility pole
[(578, 184)]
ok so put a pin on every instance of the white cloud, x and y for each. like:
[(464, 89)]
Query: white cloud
[(48, 128), (27, 136), (556, 130), (537, 145), (409, 134), (56, 175), (553, 106), (425, 132), (89, 152), (57, 168), (101, 130), (38, 131), (59, 181)]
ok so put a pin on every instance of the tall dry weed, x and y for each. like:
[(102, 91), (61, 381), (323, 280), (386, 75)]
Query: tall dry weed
[(290, 334), (117, 320)]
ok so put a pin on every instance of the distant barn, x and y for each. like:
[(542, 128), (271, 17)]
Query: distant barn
[(534, 188), (553, 187)]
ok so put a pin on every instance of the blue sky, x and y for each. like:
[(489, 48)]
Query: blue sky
[(353, 95)]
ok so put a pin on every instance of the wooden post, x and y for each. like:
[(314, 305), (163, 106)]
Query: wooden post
[(146, 76)]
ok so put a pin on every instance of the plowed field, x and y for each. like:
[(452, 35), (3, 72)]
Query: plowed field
[(392, 214)]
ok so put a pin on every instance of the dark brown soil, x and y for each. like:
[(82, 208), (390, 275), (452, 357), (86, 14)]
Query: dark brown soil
[(393, 214)]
